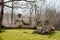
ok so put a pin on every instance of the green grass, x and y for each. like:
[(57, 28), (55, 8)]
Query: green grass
[(26, 34)]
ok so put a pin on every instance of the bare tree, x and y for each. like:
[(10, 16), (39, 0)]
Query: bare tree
[(12, 14), (1, 14)]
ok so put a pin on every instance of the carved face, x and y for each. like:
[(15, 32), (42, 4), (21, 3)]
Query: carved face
[(46, 22), (19, 15)]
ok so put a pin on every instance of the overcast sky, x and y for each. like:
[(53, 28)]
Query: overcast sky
[(8, 10)]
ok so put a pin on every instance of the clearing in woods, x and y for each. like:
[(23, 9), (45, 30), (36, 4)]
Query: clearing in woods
[(26, 34)]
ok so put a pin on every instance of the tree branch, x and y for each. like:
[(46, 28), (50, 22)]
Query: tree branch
[(7, 6), (11, 6), (5, 2)]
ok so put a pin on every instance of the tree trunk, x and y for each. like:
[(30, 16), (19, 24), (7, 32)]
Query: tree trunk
[(1, 14), (12, 14)]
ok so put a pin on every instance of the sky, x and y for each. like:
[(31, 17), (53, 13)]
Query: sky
[(8, 10)]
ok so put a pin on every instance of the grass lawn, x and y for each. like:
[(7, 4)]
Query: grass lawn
[(26, 34)]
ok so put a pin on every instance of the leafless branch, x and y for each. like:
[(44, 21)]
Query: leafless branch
[(5, 2)]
